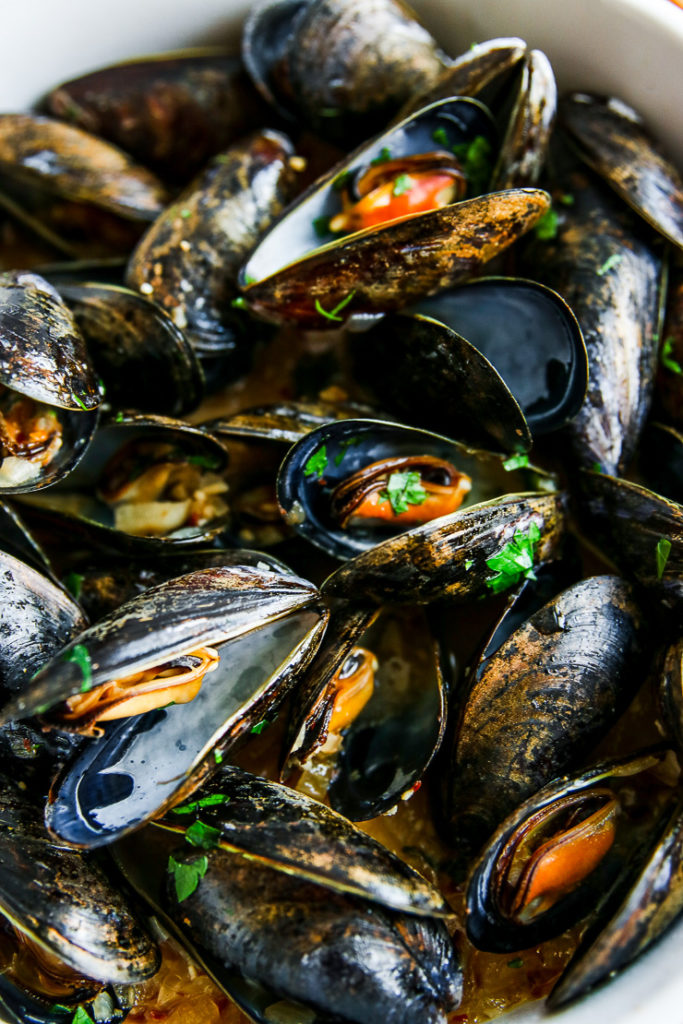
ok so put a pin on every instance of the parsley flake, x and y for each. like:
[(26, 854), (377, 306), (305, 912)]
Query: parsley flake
[(321, 226), (79, 656), (610, 263), (475, 158), (259, 727), (402, 184), (239, 303), (566, 198), (186, 876), (515, 561), (404, 489), (382, 157), (74, 584), (81, 1016), (546, 227), (341, 180), (469, 562), (520, 461), (663, 552), (204, 461), (248, 279), (517, 962), (440, 135), (79, 402), (206, 801), (218, 757), (204, 836), (317, 463), (185, 213), (332, 314), (666, 357), (119, 418), (597, 467), (344, 445)]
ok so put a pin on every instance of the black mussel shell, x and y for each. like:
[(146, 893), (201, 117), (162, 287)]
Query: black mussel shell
[(612, 139), (79, 500), (670, 690), (551, 691), (286, 830), (143, 765), (315, 467), (341, 67), (669, 383), (171, 112), (449, 557), (490, 924), (659, 463), (525, 143), (142, 356), (491, 363), (189, 259), (285, 422), (16, 539), (56, 157)]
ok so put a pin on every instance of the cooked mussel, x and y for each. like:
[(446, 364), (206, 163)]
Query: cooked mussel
[(491, 363)]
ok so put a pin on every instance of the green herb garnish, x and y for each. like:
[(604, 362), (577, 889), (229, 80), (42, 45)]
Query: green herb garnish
[(248, 279), (566, 198), (546, 227), (317, 463), (80, 657), (79, 402), (469, 562), (218, 757), (259, 727), (186, 876), (610, 263), (330, 112), (382, 157), (81, 1016), (517, 962), (440, 135), (475, 158), (119, 418), (332, 314), (597, 467), (204, 836), (206, 801), (402, 184), (341, 180), (515, 561), (321, 226), (240, 303), (74, 584), (666, 357), (404, 489), (345, 445), (185, 213), (520, 461), (204, 461), (663, 552)]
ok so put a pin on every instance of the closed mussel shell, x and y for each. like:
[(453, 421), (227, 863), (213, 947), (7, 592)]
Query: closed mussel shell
[(189, 259), (670, 689), (542, 701), (450, 557), (524, 148), (328, 482), (594, 833), (283, 829), (491, 363), (669, 383), (171, 112), (132, 341), (147, 484), (613, 140)]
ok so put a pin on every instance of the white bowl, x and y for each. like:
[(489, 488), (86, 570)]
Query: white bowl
[(629, 48)]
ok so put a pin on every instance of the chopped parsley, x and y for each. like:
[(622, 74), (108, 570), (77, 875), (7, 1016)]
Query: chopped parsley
[(666, 357), (79, 402), (597, 467), (546, 227), (259, 727), (344, 445), (205, 836), (185, 213), (321, 226), (206, 801), (79, 656), (332, 314), (81, 1016), (218, 757), (517, 962), (515, 561), (469, 562), (475, 158), (119, 418), (248, 279), (404, 489), (74, 584), (204, 461), (317, 463), (341, 180), (240, 303), (382, 157), (520, 461), (663, 552), (440, 135), (610, 263), (566, 198), (186, 876), (402, 184)]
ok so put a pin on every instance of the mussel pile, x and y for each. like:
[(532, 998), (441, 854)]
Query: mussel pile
[(341, 533)]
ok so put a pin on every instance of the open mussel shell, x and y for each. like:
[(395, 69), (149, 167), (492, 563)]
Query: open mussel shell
[(552, 689), (132, 342), (16, 539), (280, 828), (101, 493), (494, 922), (63, 160), (659, 463), (339, 66), (613, 140), (669, 383), (171, 111), (266, 627), (284, 422), (603, 263), (448, 557), (492, 362), (524, 147), (652, 903), (65, 902), (637, 529), (314, 469), (188, 261)]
